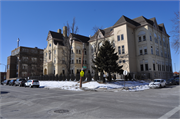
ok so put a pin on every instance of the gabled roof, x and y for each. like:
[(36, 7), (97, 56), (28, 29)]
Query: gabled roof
[(106, 32), (56, 35), (78, 37), (125, 19)]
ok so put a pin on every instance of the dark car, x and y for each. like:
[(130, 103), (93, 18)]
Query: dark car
[(20, 82), (6, 82), (171, 81), (177, 80), (12, 82)]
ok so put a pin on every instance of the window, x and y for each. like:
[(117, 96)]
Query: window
[(49, 55), (72, 72), (145, 50), (76, 61), (165, 54), (85, 51), (79, 51), (157, 51), (123, 49), (150, 38), (141, 67), (85, 62), (119, 50), (17, 66), (118, 37), (139, 38), (160, 42), (140, 51), (49, 45), (54, 60), (124, 61), (72, 61), (146, 67), (72, 51), (156, 41), (79, 60), (144, 38), (161, 53), (76, 51), (164, 42), (122, 37), (154, 67), (151, 49), (119, 61), (92, 49), (63, 71)]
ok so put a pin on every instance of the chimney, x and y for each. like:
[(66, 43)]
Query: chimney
[(65, 31), (59, 30)]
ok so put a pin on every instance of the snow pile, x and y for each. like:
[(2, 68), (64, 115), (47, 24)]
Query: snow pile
[(74, 85), (66, 85)]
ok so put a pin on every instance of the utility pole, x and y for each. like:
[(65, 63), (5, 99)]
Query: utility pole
[(82, 66), (18, 42)]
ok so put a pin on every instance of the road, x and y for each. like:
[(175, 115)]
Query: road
[(22, 103)]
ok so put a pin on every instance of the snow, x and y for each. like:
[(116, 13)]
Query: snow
[(118, 84)]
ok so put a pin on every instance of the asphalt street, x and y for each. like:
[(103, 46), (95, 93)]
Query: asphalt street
[(32, 103)]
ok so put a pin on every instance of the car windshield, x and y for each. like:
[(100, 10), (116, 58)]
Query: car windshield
[(156, 80), (35, 80)]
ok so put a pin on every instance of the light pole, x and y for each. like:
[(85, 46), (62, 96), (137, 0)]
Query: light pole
[(82, 66)]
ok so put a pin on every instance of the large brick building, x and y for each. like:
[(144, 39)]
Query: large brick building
[(24, 62)]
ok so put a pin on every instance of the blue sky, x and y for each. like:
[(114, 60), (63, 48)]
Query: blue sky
[(31, 21)]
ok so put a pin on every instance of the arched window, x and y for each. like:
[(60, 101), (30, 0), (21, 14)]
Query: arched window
[(49, 54)]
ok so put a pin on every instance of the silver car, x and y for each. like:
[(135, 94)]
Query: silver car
[(157, 83), (32, 83)]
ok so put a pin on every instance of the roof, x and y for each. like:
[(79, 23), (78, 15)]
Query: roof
[(125, 19), (56, 35), (60, 42), (105, 32), (80, 37)]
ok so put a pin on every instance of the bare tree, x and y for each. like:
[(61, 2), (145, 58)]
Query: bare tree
[(66, 51), (72, 28), (175, 32), (95, 28)]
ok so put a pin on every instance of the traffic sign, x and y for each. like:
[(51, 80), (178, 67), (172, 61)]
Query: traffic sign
[(125, 72), (84, 67), (81, 73)]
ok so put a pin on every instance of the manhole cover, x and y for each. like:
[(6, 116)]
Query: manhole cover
[(61, 111)]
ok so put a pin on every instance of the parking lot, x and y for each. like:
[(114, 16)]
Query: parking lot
[(20, 102)]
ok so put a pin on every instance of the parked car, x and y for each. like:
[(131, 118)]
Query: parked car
[(6, 82), (171, 81), (157, 83), (12, 82), (177, 80), (32, 83), (20, 82)]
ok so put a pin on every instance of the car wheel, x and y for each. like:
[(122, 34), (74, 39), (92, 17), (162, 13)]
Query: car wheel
[(165, 85)]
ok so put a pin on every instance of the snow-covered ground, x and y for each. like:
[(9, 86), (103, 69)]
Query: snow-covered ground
[(74, 85)]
